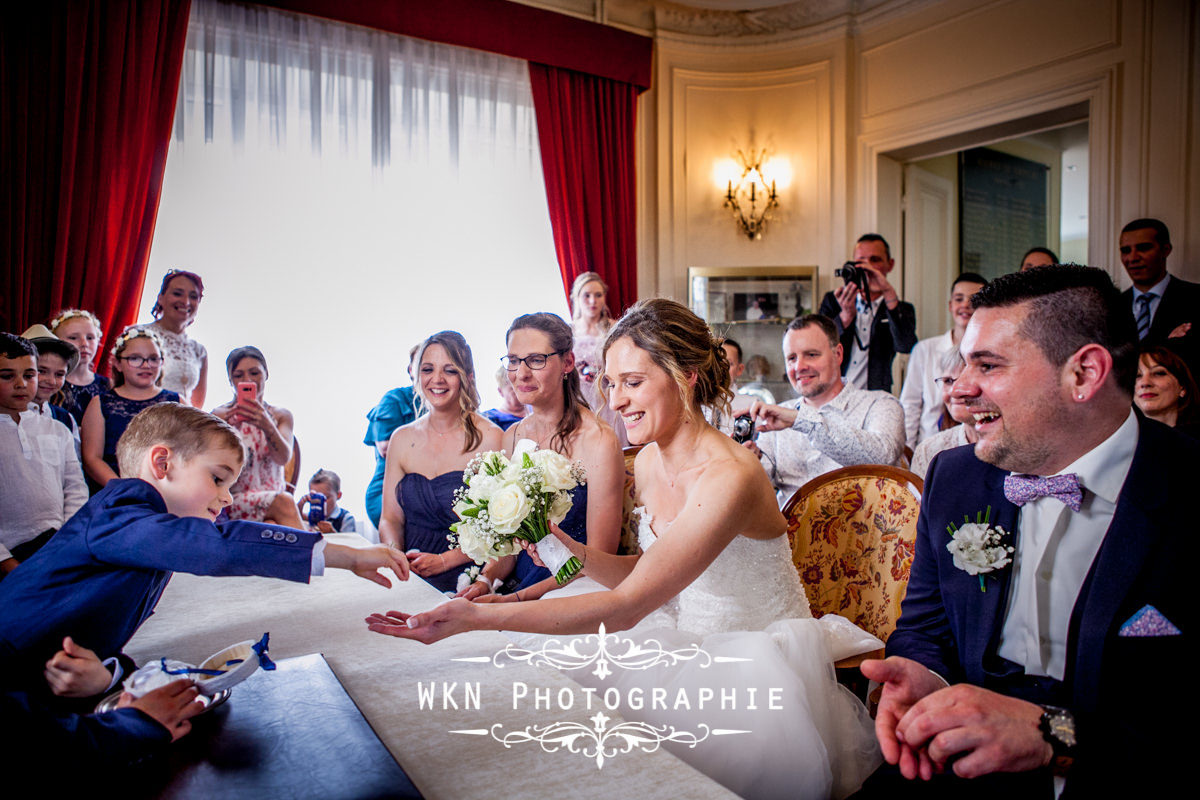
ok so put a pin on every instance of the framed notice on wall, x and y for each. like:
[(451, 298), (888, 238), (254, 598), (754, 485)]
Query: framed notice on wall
[(1002, 199)]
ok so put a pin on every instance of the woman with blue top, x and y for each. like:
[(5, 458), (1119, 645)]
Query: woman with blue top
[(541, 368), (426, 459)]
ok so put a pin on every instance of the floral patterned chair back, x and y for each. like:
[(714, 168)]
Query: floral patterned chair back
[(629, 536), (853, 532)]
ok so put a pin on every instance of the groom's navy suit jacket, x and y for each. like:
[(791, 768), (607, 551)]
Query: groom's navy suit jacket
[(1124, 691)]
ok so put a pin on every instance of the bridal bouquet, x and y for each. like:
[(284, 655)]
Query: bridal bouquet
[(508, 499)]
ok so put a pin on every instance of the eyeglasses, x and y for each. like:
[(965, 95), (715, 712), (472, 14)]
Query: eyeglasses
[(533, 360), (137, 361)]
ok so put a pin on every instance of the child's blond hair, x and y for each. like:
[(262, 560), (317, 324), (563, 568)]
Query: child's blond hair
[(185, 430)]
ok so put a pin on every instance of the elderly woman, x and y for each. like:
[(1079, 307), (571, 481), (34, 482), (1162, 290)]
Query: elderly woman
[(1165, 389), (260, 494), (957, 423)]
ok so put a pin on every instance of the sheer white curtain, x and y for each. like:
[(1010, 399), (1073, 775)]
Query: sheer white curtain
[(345, 193)]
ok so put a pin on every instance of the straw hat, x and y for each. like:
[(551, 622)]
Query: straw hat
[(47, 342)]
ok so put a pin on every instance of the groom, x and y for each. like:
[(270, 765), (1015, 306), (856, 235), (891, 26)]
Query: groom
[(1065, 665)]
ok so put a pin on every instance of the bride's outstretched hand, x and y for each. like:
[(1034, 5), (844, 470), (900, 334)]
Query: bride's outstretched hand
[(429, 626)]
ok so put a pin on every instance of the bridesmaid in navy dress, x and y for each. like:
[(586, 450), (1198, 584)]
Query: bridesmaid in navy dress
[(541, 368), (426, 459), (137, 385)]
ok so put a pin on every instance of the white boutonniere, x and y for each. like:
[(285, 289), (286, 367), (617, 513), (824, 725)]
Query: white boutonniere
[(979, 548)]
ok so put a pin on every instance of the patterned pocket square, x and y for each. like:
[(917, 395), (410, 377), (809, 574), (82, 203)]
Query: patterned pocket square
[(1148, 622)]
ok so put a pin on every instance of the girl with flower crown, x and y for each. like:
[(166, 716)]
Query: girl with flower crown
[(137, 385), (82, 329), (426, 459), (541, 369)]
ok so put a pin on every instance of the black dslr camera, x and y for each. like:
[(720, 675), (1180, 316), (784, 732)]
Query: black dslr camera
[(852, 273)]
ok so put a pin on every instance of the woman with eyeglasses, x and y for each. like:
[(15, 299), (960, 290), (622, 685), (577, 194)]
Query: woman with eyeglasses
[(137, 385), (956, 426), (260, 493), (426, 459), (541, 369), (185, 364)]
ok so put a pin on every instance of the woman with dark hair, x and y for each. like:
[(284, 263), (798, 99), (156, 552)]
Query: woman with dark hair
[(426, 459), (260, 494), (1165, 389), (185, 365), (541, 369), (714, 577), (1038, 257)]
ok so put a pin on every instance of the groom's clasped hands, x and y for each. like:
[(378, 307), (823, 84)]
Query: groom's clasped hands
[(925, 726)]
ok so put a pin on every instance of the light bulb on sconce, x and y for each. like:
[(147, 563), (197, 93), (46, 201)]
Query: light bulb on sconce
[(748, 191)]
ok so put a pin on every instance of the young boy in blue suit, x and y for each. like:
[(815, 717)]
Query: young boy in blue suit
[(70, 609)]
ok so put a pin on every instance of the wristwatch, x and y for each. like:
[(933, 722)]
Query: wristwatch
[(1058, 729)]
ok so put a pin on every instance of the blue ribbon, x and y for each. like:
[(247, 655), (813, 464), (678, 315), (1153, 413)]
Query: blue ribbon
[(264, 660)]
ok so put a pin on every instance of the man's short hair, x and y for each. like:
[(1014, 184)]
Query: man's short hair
[(875, 237), (327, 476), (968, 277), (824, 323), (1070, 306), (185, 430), (1161, 234), (733, 343), (16, 347)]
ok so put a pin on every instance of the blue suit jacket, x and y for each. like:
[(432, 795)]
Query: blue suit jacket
[(101, 575), (1126, 711)]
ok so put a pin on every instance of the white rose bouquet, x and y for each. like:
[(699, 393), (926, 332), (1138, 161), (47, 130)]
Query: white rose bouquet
[(977, 548), (508, 499)]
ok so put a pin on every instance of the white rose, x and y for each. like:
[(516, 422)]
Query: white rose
[(559, 507), (471, 542), (524, 446), (483, 486), (461, 507), (556, 471), (508, 508)]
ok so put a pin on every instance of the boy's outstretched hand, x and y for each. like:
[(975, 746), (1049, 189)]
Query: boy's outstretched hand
[(365, 562), (76, 671), (170, 706)]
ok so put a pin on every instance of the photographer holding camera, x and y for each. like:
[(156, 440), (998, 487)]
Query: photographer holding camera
[(832, 424), (873, 323)]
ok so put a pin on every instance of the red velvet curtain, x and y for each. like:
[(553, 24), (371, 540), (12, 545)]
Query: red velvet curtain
[(87, 97), (586, 132)]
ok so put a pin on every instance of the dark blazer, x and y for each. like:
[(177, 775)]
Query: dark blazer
[(1122, 690), (101, 575), (894, 331), (1180, 303)]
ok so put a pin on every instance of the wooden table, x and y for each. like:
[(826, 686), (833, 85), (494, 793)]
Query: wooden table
[(198, 616)]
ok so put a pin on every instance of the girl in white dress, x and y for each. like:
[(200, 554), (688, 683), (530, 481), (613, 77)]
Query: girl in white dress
[(185, 365), (715, 570), (590, 324)]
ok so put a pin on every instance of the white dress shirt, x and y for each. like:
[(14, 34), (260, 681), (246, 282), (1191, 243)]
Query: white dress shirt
[(41, 482), (1054, 552), (921, 395), (856, 370), (858, 426)]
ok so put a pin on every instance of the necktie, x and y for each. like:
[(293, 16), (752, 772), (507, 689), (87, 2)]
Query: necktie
[(1020, 489), (1143, 315)]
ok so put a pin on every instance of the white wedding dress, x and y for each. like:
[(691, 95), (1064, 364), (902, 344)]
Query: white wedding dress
[(817, 743)]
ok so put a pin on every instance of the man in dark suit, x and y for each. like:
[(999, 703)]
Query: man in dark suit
[(1164, 307), (871, 330), (1044, 660)]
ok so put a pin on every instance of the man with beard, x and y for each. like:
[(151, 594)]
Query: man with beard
[(832, 424), (1048, 580)]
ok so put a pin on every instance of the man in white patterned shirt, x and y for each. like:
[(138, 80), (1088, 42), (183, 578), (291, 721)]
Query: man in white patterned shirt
[(832, 424)]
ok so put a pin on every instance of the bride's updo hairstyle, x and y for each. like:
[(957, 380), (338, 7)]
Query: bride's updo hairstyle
[(459, 352), (681, 344), (561, 339)]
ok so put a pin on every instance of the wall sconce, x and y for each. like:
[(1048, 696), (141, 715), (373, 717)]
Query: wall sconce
[(747, 192)]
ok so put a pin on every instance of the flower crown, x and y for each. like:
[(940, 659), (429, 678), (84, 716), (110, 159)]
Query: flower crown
[(136, 332), (75, 313)]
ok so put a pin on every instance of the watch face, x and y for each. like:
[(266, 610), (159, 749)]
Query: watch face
[(1058, 728)]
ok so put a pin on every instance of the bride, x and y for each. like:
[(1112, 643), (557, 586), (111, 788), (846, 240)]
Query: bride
[(715, 570)]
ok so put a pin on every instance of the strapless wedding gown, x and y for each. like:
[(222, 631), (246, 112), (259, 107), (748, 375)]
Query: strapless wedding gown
[(749, 605)]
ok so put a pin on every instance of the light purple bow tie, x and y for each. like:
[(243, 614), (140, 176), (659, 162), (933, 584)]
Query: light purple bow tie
[(1020, 489)]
